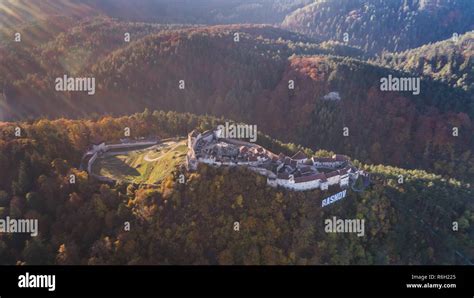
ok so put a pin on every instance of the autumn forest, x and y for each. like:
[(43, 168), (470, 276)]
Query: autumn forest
[(267, 63)]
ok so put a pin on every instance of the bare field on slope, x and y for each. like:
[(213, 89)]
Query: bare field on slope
[(148, 166)]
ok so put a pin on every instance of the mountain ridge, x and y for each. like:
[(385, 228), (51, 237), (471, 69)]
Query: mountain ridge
[(409, 23), (248, 81), (449, 61)]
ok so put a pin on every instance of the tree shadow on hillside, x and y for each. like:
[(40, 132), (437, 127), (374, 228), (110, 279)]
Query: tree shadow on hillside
[(121, 168)]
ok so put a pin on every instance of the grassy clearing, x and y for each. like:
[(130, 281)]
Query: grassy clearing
[(149, 166)]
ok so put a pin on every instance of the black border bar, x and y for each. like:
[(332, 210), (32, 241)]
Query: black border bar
[(315, 281)]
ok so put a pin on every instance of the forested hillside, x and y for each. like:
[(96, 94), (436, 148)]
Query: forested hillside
[(307, 73), (378, 25), (17, 12), (193, 223), (449, 61), (199, 12), (248, 81)]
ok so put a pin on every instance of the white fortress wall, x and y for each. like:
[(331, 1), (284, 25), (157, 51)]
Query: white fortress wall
[(131, 145), (263, 172), (91, 162), (239, 143), (334, 180), (342, 179)]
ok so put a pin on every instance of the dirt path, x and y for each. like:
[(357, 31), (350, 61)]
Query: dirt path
[(148, 159)]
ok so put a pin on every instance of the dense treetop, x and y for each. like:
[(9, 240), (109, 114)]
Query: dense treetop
[(390, 134), (377, 25), (449, 61), (247, 81), (193, 223)]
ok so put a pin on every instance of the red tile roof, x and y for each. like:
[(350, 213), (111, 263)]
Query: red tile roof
[(323, 159), (305, 169), (332, 174), (339, 157), (313, 177)]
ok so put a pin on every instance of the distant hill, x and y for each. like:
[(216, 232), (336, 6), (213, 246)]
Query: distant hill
[(199, 12), (448, 61), (38, 31), (248, 81), (90, 46), (16, 12), (378, 25), (307, 88)]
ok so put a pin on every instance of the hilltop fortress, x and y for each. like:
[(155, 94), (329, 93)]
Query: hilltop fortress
[(298, 172)]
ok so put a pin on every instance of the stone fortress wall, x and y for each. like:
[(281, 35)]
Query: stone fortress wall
[(297, 172), (102, 149)]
